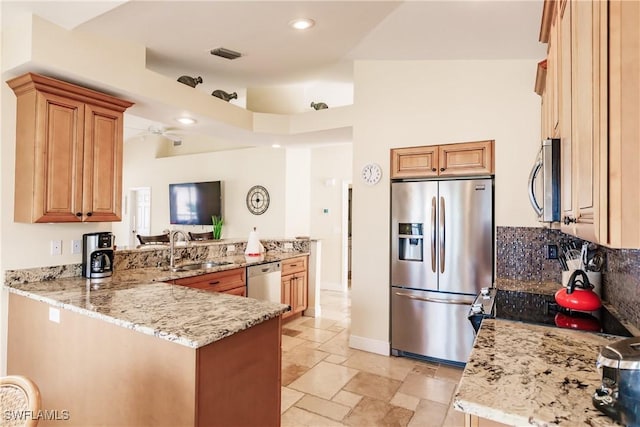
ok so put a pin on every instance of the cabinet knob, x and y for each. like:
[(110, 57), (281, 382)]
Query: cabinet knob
[(89, 214), (215, 282), (442, 169), (568, 220), (433, 169), (78, 214)]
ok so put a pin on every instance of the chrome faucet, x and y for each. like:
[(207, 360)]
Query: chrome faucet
[(172, 241)]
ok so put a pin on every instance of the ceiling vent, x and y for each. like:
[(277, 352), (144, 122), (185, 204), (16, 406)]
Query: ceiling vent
[(225, 53)]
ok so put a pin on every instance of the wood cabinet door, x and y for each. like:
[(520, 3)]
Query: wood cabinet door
[(103, 164), (566, 169), (221, 281), (553, 79), (287, 284), (414, 162), (58, 162), (585, 108), (622, 177), (299, 294), (469, 158)]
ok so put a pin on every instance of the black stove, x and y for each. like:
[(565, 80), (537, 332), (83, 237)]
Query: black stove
[(543, 310)]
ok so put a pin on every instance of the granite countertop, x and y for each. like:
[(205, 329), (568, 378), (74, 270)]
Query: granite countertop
[(139, 300), (523, 374)]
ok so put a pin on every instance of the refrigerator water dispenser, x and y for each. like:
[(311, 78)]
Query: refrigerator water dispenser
[(410, 242)]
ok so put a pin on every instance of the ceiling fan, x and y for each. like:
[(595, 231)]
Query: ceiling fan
[(170, 133)]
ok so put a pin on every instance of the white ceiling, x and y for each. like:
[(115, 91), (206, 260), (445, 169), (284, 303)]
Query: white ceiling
[(180, 34)]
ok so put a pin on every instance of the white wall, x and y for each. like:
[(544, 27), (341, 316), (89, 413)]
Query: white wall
[(298, 192), (329, 163), (399, 104), (238, 170)]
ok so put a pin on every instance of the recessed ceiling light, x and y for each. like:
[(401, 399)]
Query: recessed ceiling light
[(275, 145), (302, 24), (186, 120)]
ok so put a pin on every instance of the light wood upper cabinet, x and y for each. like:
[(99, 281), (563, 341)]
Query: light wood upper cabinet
[(68, 152), (585, 115), (599, 99), (414, 161), (469, 158), (621, 191), (566, 170)]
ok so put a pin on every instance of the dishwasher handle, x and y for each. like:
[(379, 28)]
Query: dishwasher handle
[(262, 269)]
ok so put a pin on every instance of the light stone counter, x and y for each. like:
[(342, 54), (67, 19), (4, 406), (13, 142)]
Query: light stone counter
[(523, 374), (139, 300)]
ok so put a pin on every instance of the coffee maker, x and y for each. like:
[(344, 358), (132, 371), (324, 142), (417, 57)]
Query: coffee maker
[(619, 395), (97, 255)]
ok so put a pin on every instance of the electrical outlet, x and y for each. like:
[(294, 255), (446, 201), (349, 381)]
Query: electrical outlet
[(231, 248), (54, 314), (56, 247), (76, 246), (552, 251), (288, 245)]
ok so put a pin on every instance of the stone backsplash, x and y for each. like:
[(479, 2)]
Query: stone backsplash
[(621, 282), (156, 256), (521, 255)]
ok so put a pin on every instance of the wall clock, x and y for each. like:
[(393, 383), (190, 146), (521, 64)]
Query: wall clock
[(371, 173), (257, 200)]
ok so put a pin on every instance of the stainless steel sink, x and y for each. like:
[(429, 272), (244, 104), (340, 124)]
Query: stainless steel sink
[(200, 265)]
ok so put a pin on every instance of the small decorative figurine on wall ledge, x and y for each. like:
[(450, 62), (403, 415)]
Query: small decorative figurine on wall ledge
[(319, 105), (190, 81), (224, 95)]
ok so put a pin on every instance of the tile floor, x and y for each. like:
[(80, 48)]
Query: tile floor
[(326, 383)]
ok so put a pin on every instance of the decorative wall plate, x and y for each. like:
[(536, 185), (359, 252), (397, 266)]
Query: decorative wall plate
[(371, 173), (257, 200)]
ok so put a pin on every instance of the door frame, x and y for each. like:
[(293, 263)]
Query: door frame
[(344, 282)]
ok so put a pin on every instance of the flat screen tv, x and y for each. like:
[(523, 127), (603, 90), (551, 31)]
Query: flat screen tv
[(195, 203)]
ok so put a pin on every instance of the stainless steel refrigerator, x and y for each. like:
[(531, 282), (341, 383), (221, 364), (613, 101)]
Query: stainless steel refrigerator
[(442, 253)]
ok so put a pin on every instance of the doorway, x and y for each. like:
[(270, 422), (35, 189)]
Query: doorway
[(139, 214)]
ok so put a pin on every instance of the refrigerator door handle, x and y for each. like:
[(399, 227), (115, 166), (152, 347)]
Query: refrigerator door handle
[(436, 300), (442, 235), (433, 234)]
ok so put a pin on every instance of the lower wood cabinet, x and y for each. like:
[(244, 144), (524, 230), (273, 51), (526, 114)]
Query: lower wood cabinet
[(295, 285), (232, 282), (90, 367)]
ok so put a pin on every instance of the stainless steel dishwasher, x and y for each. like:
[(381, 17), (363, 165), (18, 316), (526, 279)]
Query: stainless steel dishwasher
[(263, 282)]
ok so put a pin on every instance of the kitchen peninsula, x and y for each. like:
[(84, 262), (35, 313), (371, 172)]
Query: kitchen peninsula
[(133, 350)]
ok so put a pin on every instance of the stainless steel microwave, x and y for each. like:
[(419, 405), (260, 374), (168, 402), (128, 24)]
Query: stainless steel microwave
[(544, 182)]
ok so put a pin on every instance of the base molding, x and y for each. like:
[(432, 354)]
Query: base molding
[(372, 346), (332, 286)]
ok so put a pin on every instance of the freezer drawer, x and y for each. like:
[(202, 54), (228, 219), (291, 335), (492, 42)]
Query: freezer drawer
[(431, 324)]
